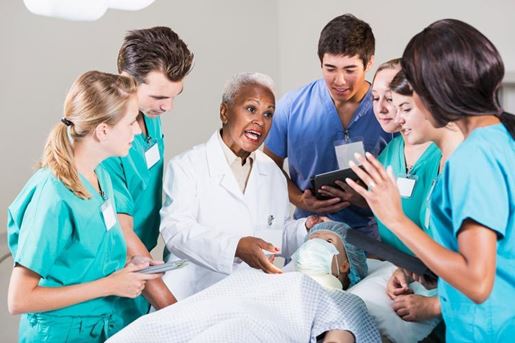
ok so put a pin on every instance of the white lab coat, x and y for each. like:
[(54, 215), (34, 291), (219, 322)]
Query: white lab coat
[(205, 214)]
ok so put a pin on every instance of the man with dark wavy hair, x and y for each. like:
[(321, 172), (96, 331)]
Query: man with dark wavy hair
[(159, 61), (336, 109)]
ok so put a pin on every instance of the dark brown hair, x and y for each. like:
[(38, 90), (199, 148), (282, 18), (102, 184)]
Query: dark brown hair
[(400, 84), (349, 36), (456, 71), (154, 49)]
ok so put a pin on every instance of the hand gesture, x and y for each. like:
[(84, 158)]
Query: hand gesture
[(345, 193), (398, 284), (310, 203), (250, 251), (127, 282), (416, 308), (382, 194), (314, 220)]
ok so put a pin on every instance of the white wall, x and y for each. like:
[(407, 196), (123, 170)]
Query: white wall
[(393, 22)]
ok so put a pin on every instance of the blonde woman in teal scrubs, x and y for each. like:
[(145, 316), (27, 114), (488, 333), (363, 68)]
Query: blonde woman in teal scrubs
[(68, 248)]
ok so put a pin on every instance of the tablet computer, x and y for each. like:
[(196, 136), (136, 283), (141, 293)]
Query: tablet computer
[(329, 178), (161, 268)]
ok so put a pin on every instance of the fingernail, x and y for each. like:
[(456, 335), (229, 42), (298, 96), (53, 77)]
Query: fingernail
[(357, 155), (351, 163), (367, 154)]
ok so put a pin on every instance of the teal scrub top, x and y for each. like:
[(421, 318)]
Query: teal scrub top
[(425, 171), (138, 189), (478, 183), (63, 238)]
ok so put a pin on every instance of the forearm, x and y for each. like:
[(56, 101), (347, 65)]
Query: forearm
[(294, 193), (453, 267), (42, 299), (156, 292)]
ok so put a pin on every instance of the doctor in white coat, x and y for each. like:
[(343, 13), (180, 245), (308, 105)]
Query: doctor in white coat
[(221, 196)]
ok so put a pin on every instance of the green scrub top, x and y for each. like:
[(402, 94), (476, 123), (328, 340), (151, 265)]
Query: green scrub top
[(138, 189), (425, 171), (64, 239)]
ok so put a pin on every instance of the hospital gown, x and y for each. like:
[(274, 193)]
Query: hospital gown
[(250, 306)]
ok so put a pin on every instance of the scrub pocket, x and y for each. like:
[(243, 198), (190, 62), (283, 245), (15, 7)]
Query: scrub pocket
[(40, 328), (464, 322), (37, 327)]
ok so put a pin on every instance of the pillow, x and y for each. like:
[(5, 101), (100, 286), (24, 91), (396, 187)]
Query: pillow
[(372, 290)]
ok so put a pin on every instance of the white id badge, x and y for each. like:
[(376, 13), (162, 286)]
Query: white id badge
[(108, 214), (152, 155), (406, 184), (345, 153)]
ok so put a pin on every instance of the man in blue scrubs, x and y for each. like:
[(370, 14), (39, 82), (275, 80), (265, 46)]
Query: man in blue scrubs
[(159, 60), (311, 120)]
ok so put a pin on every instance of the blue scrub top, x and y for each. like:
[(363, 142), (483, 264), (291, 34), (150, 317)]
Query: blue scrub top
[(64, 239), (478, 183), (306, 126), (138, 189)]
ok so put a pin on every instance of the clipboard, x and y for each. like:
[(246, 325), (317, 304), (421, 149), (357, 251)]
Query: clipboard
[(161, 268), (389, 253)]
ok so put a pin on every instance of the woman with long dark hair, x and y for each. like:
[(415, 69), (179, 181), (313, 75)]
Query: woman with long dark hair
[(456, 74)]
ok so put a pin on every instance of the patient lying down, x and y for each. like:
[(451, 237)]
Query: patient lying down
[(307, 305)]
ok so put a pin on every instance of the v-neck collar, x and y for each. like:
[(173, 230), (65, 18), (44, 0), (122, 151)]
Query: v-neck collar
[(101, 196)]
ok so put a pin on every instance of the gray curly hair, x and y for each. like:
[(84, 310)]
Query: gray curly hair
[(241, 79)]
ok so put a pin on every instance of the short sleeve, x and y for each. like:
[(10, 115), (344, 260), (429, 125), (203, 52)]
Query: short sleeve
[(277, 140), (123, 198), (44, 233), (477, 189)]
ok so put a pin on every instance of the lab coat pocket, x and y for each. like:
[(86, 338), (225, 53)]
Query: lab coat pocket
[(270, 233)]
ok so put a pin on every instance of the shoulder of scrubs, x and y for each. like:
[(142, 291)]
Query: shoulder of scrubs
[(392, 151), (478, 180), (39, 222), (122, 195), (277, 140)]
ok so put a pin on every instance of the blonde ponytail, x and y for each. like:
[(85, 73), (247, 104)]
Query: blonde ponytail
[(94, 98)]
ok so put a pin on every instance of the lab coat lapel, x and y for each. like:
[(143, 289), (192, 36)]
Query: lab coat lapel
[(219, 170), (256, 185)]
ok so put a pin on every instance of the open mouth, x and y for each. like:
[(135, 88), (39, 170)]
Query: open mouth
[(341, 90), (253, 135)]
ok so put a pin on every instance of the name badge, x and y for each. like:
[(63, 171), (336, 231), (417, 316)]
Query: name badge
[(406, 185), (108, 214), (152, 155)]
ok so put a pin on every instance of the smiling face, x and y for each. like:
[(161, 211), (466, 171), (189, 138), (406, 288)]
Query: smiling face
[(157, 94), (345, 77), (247, 119), (415, 128), (120, 136), (384, 109)]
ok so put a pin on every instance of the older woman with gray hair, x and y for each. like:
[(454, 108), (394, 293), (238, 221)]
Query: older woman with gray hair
[(226, 204)]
